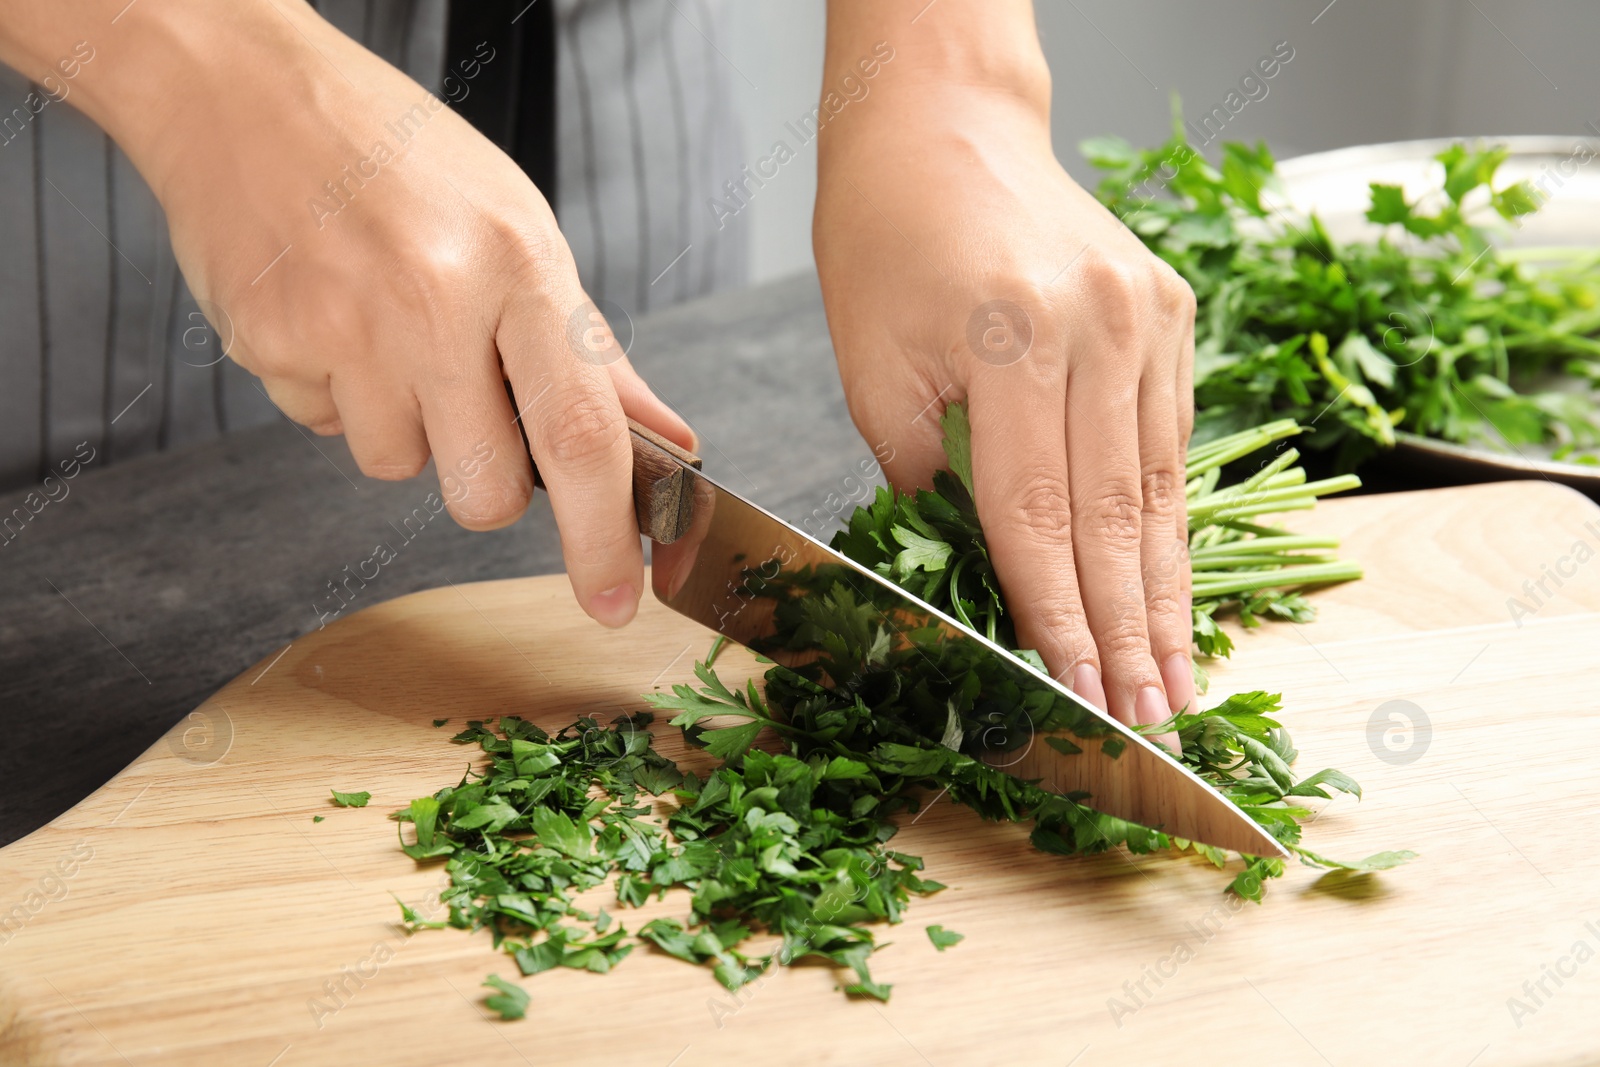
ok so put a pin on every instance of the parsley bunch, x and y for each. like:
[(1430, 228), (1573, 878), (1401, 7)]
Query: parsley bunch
[(1429, 329), (932, 545)]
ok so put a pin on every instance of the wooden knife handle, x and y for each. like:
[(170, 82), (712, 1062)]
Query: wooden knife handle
[(663, 492)]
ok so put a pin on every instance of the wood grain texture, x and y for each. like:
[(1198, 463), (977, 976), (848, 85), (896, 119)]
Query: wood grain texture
[(663, 499), (206, 915)]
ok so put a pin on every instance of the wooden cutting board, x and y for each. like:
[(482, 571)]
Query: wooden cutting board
[(191, 911)]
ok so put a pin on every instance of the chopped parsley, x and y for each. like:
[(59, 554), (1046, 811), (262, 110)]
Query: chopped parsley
[(511, 1001), (784, 848)]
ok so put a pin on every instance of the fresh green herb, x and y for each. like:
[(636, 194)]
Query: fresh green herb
[(351, 800), (793, 842), (511, 1001), (932, 544), (439, 722), (913, 719), (1429, 329), (316, 818), (789, 846), (1242, 565)]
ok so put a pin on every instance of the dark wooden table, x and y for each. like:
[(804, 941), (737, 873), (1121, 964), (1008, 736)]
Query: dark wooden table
[(126, 603)]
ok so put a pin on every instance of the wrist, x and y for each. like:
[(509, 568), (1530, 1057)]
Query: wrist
[(932, 128), (988, 47), (202, 68)]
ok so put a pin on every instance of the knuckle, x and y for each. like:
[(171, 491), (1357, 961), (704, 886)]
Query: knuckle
[(1126, 288), (1161, 494), (270, 355), (1043, 508), (1028, 296), (1062, 616), (531, 250), (1123, 639), (433, 272), (1177, 294), (1002, 331), (1131, 279), (1113, 515), (1116, 283), (494, 503), (586, 434)]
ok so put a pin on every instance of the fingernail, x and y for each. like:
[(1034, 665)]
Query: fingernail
[(1179, 679), (1150, 706), (615, 607), (1086, 683)]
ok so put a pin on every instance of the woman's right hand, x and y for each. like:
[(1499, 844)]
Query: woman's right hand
[(385, 269)]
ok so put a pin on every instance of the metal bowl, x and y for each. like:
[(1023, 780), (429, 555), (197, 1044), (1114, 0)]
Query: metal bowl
[(1334, 185)]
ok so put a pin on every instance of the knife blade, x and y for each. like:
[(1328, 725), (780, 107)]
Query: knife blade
[(727, 563)]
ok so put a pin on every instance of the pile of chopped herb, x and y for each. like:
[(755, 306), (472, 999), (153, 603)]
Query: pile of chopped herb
[(1429, 329), (783, 849), (775, 843)]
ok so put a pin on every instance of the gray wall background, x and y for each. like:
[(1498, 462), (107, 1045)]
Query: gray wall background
[(1363, 71)]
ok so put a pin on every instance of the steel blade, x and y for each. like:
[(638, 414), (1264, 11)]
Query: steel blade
[(737, 562)]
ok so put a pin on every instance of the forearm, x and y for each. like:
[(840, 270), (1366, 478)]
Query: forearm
[(149, 73), (980, 45)]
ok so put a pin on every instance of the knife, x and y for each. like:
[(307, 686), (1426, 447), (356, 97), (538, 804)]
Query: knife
[(721, 560)]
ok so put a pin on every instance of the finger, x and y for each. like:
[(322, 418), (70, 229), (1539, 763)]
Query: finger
[(1019, 474), (307, 403), (1104, 474), (1165, 542), (1163, 441), (384, 431), (579, 437), (640, 403), (484, 472)]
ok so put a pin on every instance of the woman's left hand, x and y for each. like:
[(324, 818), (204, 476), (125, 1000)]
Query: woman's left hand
[(960, 262)]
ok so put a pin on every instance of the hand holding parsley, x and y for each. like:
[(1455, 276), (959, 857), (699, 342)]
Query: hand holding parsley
[(936, 203)]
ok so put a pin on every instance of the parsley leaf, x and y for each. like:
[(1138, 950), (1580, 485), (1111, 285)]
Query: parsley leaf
[(511, 1001)]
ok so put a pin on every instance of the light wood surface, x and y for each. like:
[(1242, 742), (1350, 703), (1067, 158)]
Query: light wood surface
[(205, 910)]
